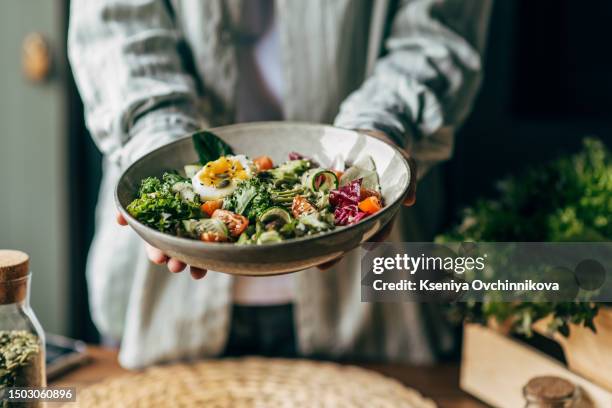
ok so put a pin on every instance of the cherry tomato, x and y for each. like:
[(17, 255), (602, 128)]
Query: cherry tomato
[(209, 207), (263, 163), (212, 237), (366, 192)]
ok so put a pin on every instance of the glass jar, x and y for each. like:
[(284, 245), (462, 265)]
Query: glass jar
[(22, 340), (550, 392)]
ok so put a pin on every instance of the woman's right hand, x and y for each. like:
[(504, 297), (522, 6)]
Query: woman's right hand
[(158, 257)]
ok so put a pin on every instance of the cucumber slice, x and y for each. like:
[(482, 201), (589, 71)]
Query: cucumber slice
[(275, 214), (320, 180), (269, 237), (290, 170), (190, 226), (214, 225), (196, 228), (191, 170), (243, 239)]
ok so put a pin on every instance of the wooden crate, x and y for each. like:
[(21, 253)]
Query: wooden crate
[(495, 368), (587, 353)]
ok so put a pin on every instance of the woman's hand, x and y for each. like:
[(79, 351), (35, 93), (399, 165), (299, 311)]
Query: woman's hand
[(410, 198), (158, 257)]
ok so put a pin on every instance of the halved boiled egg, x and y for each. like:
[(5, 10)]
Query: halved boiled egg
[(219, 178)]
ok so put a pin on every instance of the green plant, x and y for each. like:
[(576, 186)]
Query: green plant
[(567, 199)]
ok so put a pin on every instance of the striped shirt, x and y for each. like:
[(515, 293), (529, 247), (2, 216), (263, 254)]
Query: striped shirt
[(150, 71)]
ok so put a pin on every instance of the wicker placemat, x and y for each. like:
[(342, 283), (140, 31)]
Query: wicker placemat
[(251, 382)]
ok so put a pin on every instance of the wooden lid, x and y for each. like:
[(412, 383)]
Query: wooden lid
[(13, 264), (549, 388)]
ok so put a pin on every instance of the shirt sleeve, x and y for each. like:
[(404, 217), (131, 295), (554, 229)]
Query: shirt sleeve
[(129, 73), (424, 85)]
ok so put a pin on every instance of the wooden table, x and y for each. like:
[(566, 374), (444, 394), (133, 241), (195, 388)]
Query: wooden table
[(437, 382)]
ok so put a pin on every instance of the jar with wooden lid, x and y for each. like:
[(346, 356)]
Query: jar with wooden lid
[(550, 392), (22, 341)]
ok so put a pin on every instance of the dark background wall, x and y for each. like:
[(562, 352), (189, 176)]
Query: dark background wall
[(84, 170), (547, 85)]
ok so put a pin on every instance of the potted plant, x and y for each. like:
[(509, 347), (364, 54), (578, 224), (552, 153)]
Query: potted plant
[(568, 199)]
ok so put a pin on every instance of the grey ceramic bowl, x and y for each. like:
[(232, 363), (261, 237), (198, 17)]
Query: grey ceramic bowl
[(277, 140)]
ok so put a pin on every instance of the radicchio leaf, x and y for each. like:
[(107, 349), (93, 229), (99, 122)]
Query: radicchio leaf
[(345, 201), (295, 156), (298, 156)]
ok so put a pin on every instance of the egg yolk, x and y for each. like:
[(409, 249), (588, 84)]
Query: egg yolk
[(215, 172)]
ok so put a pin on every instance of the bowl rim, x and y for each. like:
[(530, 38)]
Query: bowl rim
[(173, 239)]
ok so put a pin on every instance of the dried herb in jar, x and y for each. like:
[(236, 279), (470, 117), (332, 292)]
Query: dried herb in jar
[(20, 361)]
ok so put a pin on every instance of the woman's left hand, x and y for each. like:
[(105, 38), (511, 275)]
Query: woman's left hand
[(410, 198)]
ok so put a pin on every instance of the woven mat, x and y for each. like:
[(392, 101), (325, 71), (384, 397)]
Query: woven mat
[(251, 382)]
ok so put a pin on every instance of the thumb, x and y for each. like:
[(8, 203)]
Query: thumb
[(121, 219)]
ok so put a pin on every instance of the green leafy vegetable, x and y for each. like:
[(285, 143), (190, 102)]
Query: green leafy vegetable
[(171, 178), (242, 197), (250, 199), (162, 207), (316, 222), (290, 171), (209, 146)]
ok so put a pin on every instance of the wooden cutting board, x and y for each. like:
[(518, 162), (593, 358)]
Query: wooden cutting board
[(495, 368)]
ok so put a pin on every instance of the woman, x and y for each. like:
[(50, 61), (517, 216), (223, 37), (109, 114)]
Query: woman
[(151, 71)]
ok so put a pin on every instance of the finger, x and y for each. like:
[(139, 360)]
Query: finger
[(155, 255), (175, 266), (121, 219), (410, 198), (326, 265), (197, 273)]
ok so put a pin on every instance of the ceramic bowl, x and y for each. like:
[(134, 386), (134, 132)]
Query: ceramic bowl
[(275, 139)]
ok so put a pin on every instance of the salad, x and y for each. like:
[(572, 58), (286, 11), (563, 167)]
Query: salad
[(228, 197)]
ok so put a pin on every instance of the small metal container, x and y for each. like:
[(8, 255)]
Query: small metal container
[(550, 392)]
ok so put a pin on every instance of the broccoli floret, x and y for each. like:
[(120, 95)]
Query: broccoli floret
[(149, 185), (250, 199), (173, 178)]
